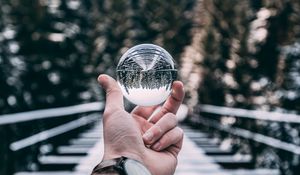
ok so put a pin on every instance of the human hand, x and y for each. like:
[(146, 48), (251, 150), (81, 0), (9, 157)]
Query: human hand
[(156, 144)]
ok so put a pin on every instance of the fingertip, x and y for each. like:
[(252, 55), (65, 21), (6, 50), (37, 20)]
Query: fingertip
[(106, 81), (178, 91), (178, 82), (148, 136), (157, 146), (178, 85), (102, 79)]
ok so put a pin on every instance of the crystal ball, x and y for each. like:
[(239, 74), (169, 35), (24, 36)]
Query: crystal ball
[(145, 74)]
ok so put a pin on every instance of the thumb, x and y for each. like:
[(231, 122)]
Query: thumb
[(114, 96)]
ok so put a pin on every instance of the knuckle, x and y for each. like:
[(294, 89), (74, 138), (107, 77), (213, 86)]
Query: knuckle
[(165, 140), (180, 132), (157, 131), (164, 110), (170, 114), (112, 91), (175, 120), (108, 111)]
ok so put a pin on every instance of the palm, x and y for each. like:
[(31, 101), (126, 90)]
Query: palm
[(131, 129)]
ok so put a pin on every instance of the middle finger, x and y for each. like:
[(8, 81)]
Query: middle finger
[(166, 123)]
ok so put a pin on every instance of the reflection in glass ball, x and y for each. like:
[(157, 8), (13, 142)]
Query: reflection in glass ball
[(145, 74)]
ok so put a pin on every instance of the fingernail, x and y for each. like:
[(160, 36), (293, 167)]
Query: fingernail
[(156, 146), (148, 136)]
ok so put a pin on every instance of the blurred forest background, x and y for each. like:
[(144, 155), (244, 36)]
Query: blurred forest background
[(52, 51), (232, 53)]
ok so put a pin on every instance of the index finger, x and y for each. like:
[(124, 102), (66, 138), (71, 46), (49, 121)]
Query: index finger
[(172, 103)]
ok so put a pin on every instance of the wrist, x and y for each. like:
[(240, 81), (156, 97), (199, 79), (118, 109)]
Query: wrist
[(120, 166), (105, 167), (113, 155)]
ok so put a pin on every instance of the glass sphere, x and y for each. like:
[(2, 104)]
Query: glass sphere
[(145, 74)]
